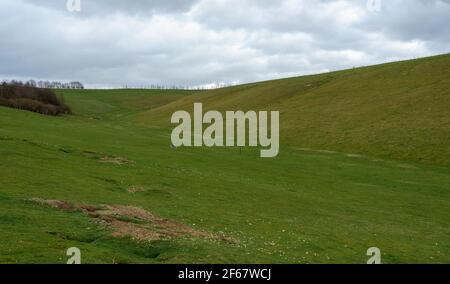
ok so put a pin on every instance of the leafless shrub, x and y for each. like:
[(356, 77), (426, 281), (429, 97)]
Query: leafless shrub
[(27, 97)]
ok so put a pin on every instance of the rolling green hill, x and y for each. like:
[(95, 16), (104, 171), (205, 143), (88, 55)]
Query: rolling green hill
[(398, 110), (106, 180)]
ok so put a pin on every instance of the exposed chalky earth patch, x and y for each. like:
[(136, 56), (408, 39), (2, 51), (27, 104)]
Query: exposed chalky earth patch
[(134, 222)]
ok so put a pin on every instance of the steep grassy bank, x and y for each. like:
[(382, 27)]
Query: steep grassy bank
[(398, 110)]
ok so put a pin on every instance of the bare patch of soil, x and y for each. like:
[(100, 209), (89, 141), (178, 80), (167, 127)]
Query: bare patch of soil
[(115, 160), (107, 158), (55, 204), (134, 222), (406, 166), (135, 189)]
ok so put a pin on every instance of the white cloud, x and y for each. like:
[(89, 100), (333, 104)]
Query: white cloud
[(211, 41)]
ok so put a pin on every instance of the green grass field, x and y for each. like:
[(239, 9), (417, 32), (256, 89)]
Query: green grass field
[(364, 162)]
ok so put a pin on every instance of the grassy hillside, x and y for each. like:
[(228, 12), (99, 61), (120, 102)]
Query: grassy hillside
[(398, 110), (65, 181)]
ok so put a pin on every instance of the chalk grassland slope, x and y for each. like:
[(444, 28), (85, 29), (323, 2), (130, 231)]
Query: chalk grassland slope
[(111, 105), (398, 110), (302, 207), (121, 194)]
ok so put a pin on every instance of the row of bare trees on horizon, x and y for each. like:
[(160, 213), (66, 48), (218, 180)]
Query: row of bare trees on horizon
[(78, 85), (46, 84)]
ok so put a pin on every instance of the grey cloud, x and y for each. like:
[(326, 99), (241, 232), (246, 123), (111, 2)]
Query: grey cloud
[(135, 7), (400, 19), (211, 41), (427, 20)]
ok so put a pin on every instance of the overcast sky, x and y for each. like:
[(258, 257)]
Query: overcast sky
[(111, 43)]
